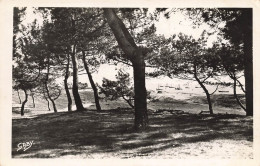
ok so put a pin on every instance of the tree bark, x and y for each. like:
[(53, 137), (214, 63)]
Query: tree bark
[(235, 94), (205, 90), (140, 103), (24, 102), (93, 85), (75, 88), (248, 72), (134, 54), (66, 84)]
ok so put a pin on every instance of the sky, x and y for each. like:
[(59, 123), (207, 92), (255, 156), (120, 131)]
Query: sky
[(177, 23)]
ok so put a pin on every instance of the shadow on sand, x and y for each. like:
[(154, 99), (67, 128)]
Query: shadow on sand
[(110, 131)]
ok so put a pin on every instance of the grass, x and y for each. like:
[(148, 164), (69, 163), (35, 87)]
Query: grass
[(109, 133)]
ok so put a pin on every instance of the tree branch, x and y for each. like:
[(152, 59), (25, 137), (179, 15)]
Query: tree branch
[(59, 93), (207, 77), (128, 101), (214, 90), (241, 86)]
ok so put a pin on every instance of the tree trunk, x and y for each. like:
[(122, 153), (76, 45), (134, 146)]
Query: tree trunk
[(54, 106), (140, 103), (47, 89), (75, 88), (134, 54), (66, 84), (24, 102), (205, 90), (48, 102), (95, 91), (235, 94), (48, 94), (32, 98), (248, 72), (20, 101)]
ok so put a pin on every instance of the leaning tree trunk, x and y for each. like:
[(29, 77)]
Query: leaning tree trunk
[(248, 55), (94, 87), (24, 102), (205, 90), (75, 88), (134, 54), (66, 84)]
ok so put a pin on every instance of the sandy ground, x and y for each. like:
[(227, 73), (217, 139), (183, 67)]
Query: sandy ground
[(108, 134)]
